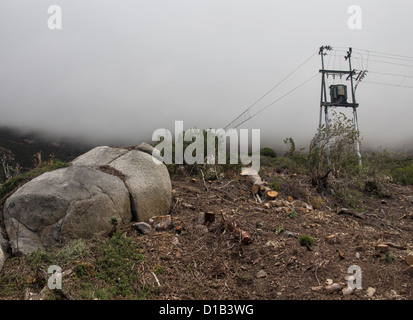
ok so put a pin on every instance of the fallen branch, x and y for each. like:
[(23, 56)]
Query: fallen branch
[(203, 179), (244, 237), (350, 213), (390, 244), (224, 185), (156, 279), (257, 197)]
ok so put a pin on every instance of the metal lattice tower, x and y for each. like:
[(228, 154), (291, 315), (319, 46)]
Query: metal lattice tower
[(338, 97)]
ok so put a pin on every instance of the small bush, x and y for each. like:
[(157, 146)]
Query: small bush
[(279, 229), (159, 270), (305, 241), (348, 197), (275, 184), (317, 202), (293, 188), (268, 152), (389, 258), (293, 214), (404, 175), (73, 250)]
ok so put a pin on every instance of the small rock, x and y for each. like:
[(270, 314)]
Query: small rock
[(347, 291), (162, 223), (318, 288), (357, 255), (142, 227), (175, 241), (291, 234), (393, 295), (201, 218), (349, 278), (272, 243), (333, 288), (329, 282), (370, 291), (261, 274)]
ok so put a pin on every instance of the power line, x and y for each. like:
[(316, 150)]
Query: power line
[(243, 114), (391, 58), (388, 84), (272, 103), (386, 54), (391, 74), (379, 56), (395, 56), (393, 63)]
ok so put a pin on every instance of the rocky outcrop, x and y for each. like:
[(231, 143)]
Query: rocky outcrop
[(82, 200)]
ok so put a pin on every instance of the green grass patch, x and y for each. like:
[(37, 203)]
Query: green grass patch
[(116, 262)]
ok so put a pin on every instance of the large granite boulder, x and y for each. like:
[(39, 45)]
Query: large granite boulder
[(82, 200), (146, 178), (65, 204)]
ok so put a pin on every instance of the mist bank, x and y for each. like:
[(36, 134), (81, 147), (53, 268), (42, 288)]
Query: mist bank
[(90, 140)]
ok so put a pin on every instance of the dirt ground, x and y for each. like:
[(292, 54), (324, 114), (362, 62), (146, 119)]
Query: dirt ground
[(209, 261), (251, 250)]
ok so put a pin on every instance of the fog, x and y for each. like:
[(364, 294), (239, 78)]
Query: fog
[(118, 70)]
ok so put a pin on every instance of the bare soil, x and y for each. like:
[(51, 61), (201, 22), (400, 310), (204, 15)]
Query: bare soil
[(209, 261)]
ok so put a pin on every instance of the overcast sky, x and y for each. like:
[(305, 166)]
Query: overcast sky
[(119, 70)]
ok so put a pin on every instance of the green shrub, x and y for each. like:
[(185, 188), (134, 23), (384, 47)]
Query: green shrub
[(293, 214), (279, 229), (348, 197), (389, 258), (305, 241), (268, 152), (404, 175)]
